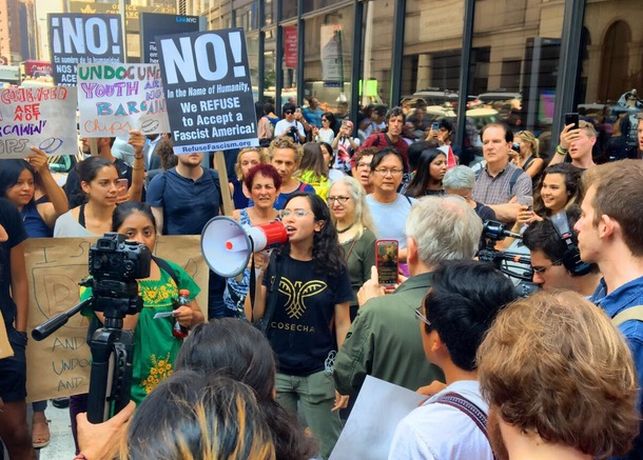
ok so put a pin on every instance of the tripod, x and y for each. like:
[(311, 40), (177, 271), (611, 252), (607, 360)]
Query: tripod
[(111, 346)]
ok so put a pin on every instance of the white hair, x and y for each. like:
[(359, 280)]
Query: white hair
[(444, 228), (460, 177), (358, 195)]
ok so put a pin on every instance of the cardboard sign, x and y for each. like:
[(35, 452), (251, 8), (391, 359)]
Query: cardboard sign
[(60, 365), (208, 91), (155, 24), (82, 38), (115, 98), (37, 116)]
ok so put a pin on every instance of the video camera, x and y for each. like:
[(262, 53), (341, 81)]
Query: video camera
[(511, 264), (115, 265)]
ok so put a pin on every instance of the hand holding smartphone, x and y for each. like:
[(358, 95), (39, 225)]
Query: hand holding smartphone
[(387, 261), (572, 119)]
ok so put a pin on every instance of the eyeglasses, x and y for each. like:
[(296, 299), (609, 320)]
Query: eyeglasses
[(419, 315), (541, 270), (339, 199), (364, 164), (385, 171), (324, 119), (288, 112), (295, 212)]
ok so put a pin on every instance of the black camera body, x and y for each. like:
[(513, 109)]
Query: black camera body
[(114, 266), (113, 258)]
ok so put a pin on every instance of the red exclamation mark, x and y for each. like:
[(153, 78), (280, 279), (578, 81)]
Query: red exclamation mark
[(235, 46)]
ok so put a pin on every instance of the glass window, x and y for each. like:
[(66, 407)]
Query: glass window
[(252, 41), (288, 9), (269, 66), (327, 66), (289, 64), (246, 16), (378, 30), (514, 64), (610, 84), (431, 65), (312, 5), (270, 11)]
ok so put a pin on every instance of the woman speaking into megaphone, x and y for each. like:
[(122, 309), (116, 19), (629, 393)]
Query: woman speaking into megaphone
[(263, 181), (303, 300)]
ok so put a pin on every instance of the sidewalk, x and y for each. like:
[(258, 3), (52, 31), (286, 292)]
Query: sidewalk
[(61, 446)]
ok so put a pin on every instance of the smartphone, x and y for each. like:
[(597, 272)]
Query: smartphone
[(571, 118), (122, 185), (387, 261), (435, 126), (515, 147)]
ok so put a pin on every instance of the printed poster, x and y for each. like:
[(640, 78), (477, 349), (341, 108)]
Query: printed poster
[(208, 91)]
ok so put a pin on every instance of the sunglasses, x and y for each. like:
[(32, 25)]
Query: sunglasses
[(288, 112)]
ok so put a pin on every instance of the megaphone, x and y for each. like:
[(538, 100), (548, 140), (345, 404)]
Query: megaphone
[(227, 245)]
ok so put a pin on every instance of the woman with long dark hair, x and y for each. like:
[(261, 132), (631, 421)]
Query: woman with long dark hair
[(237, 350), (303, 302), (313, 169), (432, 166)]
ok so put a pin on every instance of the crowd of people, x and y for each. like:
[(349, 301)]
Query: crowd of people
[(502, 375)]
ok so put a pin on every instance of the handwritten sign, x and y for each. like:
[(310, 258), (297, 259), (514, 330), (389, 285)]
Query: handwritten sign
[(60, 365), (40, 117), (115, 98), (208, 91), (82, 38), (155, 24)]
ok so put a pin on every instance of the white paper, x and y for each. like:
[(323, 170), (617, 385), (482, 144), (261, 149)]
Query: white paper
[(116, 98), (163, 314), (370, 428)]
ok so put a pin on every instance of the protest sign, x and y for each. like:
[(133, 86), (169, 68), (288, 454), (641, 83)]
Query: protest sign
[(115, 98), (59, 365), (155, 24), (367, 434), (42, 117), (208, 92), (82, 38)]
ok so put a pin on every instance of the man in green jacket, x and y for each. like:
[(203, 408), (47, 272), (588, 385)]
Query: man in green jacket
[(384, 340)]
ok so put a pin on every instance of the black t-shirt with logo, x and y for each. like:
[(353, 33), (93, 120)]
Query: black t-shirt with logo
[(301, 330), (11, 221)]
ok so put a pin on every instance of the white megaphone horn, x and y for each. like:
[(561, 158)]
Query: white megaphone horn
[(227, 245)]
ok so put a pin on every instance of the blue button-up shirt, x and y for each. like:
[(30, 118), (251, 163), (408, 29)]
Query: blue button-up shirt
[(628, 295)]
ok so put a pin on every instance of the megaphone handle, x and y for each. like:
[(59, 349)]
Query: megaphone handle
[(253, 279)]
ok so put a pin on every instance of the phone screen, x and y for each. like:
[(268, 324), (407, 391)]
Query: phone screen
[(435, 126), (571, 118), (386, 260), (122, 185)]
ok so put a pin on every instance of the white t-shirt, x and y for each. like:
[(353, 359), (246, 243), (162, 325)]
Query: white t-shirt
[(283, 127), (390, 218), (442, 432)]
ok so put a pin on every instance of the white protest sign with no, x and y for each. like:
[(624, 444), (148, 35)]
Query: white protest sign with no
[(208, 91), (116, 98), (42, 117)]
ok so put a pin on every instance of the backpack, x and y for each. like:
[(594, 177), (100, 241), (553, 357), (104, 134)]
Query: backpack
[(634, 312)]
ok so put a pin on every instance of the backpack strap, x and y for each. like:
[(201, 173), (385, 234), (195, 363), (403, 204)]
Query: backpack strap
[(514, 178), (477, 415), (166, 267), (631, 313)]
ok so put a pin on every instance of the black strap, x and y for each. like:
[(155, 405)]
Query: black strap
[(477, 415), (164, 265), (514, 178), (274, 277), (81, 216)]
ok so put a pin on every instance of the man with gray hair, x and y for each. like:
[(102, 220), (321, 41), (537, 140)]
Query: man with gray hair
[(384, 340), (460, 181)]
